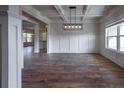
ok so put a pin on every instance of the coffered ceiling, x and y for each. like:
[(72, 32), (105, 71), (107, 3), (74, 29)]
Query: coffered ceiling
[(62, 12)]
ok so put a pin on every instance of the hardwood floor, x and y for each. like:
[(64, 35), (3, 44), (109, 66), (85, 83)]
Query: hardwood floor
[(70, 71)]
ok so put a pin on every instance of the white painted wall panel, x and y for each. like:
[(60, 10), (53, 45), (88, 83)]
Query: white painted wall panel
[(83, 41), (15, 52), (63, 42), (55, 43), (13, 64), (74, 41)]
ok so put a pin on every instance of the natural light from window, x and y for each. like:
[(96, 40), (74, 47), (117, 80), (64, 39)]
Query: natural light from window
[(112, 42), (122, 37), (122, 44), (112, 37), (27, 37), (115, 37)]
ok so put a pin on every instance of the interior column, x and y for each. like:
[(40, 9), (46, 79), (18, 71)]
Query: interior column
[(11, 46), (36, 38)]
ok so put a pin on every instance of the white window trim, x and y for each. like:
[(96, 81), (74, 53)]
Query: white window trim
[(118, 39)]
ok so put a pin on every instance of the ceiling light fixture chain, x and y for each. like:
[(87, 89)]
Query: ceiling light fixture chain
[(72, 25), (70, 15), (75, 15)]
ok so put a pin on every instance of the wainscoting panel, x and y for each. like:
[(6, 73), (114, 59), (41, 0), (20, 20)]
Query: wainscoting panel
[(80, 41)]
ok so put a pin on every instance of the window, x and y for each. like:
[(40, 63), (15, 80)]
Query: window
[(122, 44), (115, 37), (121, 36), (27, 37), (112, 37), (112, 42), (24, 37)]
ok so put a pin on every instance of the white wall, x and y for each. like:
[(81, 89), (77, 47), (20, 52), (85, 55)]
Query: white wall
[(15, 46), (115, 15), (83, 41), (15, 52)]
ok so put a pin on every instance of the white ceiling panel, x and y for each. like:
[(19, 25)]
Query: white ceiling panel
[(50, 11)]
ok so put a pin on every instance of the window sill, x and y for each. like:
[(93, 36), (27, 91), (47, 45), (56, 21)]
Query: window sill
[(119, 52)]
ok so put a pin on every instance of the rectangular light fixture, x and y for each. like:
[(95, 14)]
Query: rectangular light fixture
[(71, 26)]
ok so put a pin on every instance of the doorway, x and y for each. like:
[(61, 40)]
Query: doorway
[(38, 30), (28, 34)]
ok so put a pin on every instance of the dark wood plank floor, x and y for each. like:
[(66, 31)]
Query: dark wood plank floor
[(70, 71)]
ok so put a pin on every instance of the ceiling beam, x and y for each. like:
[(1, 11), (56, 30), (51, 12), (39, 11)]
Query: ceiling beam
[(61, 12), (35, 13), (28, 18), (86, 11)]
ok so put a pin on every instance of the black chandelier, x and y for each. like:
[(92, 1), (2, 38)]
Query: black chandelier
[(72, 25)]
